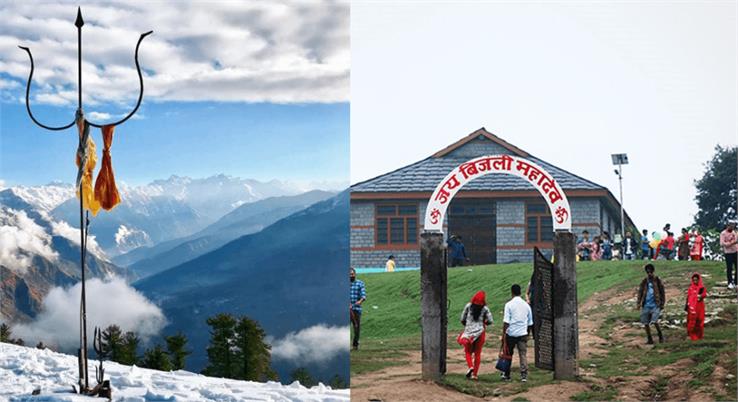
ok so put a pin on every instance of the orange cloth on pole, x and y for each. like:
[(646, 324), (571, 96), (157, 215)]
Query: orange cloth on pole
[(88, 157), (106, 193)]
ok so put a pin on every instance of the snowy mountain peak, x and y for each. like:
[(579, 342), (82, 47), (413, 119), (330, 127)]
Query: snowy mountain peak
[(46, 197)]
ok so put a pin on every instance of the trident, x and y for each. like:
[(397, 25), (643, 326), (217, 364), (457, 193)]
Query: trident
[(82, 353)]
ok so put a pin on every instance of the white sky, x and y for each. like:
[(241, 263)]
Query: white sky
[(569, 82)]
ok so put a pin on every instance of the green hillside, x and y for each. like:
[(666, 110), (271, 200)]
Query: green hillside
[(392, 308), (616, 365)]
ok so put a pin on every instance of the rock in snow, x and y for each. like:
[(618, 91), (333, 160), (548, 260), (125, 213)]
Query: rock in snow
[(23, 370)]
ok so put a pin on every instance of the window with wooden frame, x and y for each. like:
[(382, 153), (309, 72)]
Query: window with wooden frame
[(538, 223), (396, 224)]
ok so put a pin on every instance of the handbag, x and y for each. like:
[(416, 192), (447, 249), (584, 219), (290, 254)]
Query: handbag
[(504, 360)]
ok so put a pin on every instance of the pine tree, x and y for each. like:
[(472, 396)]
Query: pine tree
[(337, 382), (129, 349), (157, 359), (5, 333), (220, 355), (112, 343), (40, 345), (252, 353), (302, 375), (177, 352)]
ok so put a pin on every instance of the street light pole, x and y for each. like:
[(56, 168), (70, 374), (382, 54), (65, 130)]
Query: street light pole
[(620, 160), (622, 210)]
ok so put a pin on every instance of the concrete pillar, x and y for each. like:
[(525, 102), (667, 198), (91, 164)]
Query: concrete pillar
[(433, 302), (566, 330)]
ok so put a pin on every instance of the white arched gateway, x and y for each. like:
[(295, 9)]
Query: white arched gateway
[(563, 349), (507, 164)]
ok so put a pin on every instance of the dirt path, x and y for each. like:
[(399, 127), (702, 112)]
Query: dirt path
[(401, 383)]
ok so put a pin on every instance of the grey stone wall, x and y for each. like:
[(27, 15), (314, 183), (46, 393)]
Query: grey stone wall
[(510, 236), (362, 237), (585, 210), (362, 213), (478, 147), (510, 211), (378, 258), (521, 255)]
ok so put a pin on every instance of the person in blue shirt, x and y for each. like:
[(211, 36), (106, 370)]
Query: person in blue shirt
[(356, 298), (457, 252), (606, 246), (651, 300), (646, 252)]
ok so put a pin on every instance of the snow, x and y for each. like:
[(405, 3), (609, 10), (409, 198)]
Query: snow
[(23, 369), (45, 198)]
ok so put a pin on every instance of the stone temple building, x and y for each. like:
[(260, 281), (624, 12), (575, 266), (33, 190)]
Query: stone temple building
[(500, 217)]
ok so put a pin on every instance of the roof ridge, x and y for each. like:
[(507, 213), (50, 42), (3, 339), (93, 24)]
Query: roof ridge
[(476, 133), (389, 173)]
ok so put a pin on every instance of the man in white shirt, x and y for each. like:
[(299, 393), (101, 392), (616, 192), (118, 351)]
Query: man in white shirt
[(517, 325)]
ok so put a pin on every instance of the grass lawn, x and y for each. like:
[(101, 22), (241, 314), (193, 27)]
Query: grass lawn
[(391, 324), (392, 308)]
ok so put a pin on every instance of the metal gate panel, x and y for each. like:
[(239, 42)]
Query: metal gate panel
[(542, 306)]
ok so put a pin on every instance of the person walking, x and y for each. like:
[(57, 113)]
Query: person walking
[(356, 298), (729, 243), (517, 325), (629, 247), (475, 318), (683, 246), (651, 300), (695, 308), (390, 265), (698, 244)]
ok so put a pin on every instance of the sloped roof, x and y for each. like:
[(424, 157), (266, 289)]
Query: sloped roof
[(424, 175)]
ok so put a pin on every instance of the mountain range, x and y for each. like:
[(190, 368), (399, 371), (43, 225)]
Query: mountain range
[(169, 209), (287, 276), (277, 258), (246, 219)]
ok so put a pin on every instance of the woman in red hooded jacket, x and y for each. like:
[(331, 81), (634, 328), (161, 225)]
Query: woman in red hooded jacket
[(475, 318), (695, 308)]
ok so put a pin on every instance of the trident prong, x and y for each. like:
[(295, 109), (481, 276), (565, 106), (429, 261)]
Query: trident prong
[(79, 22)]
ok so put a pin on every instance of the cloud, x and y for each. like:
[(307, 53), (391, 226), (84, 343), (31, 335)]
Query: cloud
[(315, 344), (63, 229), (283, 52), (108, 302), (21, 239)]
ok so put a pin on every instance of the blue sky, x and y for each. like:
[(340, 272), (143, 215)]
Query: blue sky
[(264, 95), (262, 141)]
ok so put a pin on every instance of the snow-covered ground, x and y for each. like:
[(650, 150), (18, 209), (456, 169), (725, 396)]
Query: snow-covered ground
[(24, 369)]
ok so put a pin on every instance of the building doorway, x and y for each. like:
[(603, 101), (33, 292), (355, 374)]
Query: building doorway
[(475, 220)]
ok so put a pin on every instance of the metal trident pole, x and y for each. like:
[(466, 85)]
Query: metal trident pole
[(79, 22)]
